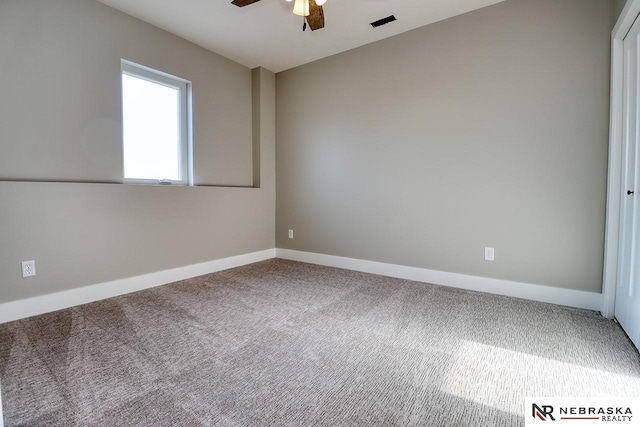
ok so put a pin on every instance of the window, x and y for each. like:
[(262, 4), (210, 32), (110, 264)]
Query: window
[(155, 131)]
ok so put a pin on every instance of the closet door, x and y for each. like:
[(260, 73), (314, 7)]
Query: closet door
[(627, 306)]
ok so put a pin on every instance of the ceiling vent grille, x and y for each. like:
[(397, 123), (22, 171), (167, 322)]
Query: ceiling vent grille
[(383, 21)]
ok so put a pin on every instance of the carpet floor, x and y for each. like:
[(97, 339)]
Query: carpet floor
[(281, 343)]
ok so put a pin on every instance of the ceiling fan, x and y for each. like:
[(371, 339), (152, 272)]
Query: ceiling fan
[(310, 9)]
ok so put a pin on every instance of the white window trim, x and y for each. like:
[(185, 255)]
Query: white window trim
[(186, 152)]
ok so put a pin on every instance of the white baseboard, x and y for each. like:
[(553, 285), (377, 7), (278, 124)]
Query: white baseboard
[(560, 296), (28, 307)]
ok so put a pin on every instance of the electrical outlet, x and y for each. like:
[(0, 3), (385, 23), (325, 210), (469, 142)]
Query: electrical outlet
[(489, 254), (291, 234), (28, 268)]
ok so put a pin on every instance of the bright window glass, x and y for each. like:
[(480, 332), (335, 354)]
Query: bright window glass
[(155, 148)]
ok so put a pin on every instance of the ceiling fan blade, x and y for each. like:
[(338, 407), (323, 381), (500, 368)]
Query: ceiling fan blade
[(316, 16), (243, 3)]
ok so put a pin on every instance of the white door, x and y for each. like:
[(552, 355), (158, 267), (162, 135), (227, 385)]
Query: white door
[(627, 307)]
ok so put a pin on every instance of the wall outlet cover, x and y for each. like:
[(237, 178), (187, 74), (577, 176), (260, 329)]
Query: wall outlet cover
[(489, 254), (28, 268)]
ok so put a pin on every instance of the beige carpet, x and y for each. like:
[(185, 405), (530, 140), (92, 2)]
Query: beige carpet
[(282, 343)]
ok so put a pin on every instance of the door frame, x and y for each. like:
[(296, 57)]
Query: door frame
[(614, 180)]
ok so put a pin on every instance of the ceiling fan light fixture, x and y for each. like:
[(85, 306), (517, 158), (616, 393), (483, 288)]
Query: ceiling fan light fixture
[(320, 2), (301, 8)]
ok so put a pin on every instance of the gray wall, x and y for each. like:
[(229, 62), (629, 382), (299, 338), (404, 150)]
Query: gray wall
[(618, 5), (487, 129), (60, 121)]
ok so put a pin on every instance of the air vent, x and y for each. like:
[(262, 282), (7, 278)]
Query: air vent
[(383, 21)]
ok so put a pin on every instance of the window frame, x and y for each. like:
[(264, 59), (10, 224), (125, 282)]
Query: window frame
[(185, 148)]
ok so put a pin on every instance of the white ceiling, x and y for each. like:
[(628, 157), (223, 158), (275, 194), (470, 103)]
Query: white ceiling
[(268, 34)]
